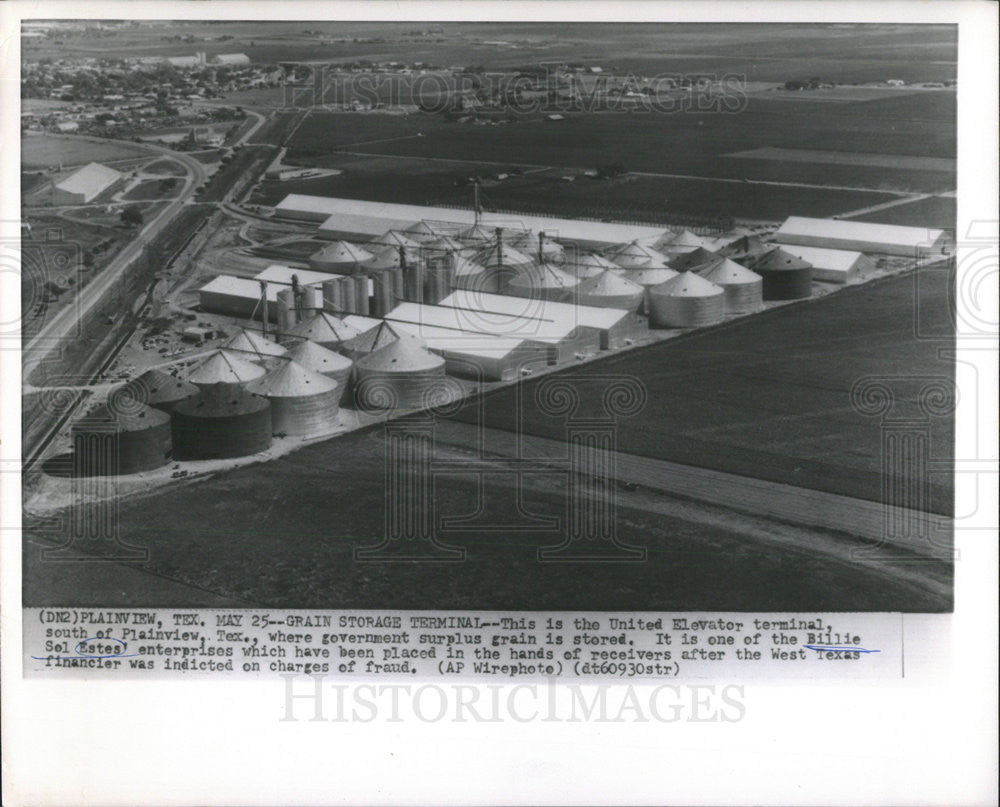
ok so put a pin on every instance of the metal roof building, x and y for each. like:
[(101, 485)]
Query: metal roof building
[(237, 297), (861, 236), (303, 402), (85, 184), (686, 301), (353, 218), (471, 354), (569, 328), (832, 265)]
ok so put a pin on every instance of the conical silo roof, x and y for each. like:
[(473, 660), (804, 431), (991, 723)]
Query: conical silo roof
[(636, 256), (253, 343), (464, 267), (400, 356), (292, 380), (397, 239), (421, 231), (543, 276), (342, 252), (445, 243), (324, 328), (377, 338), (491, 256), (130, 418), (688, 260), (724, 272), (588, 264), (222, 401), (776, 260), (686, 284), (384, 256), (648, 276), (609, 284), (157, 388), (744, 245), (224, 367), (318, 358), (476, 233), (684, 241)]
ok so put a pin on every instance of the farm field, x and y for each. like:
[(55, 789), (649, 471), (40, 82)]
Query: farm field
[(41, 151), (936, 212), (769, 396)]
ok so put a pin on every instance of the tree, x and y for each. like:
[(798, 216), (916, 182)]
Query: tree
[(131, 216)]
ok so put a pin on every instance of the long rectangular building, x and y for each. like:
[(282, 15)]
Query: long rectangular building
[(863, 236), (364, 220)]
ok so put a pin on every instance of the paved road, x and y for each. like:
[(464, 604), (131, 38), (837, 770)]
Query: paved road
[(61, 325)]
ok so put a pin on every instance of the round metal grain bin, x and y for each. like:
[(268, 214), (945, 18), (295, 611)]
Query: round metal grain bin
[(222, 421), (325, 362), (303, 403), (159, 390), (400, 376), (584, 265), (116, 439), (610, 290), (324, 329), (375, 339), (785, 276), (224, 367), (689, 260), (679, 243), (421, 231), (340, 257), (685, 301), (636, 256), (743, 288)]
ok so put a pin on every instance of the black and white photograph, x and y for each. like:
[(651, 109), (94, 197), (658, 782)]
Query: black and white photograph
[(441, 314)]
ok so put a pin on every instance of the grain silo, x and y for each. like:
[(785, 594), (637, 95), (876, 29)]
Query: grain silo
[(401, 375), (502, 254), (224, 367), (636, 256), (375, 339), (743, 246), (222, 421), (253, 346), (384, 256), (587, 264), (159, 390), (112, 440), (467, 274), (340, 257), (686, 301), (303, 402), (476, 234), (684, 241), (610, 290), (543, 281), (325, 362), (743, 288), (421, 231), (785, 276), (648, 276), (689, 260), (324, 329)]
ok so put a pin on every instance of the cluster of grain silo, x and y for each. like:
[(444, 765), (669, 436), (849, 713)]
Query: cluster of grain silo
[(254, 346), (785, 276), (303, 402), (220, 422), (399, 375), (347, 294), (610, 290), (743, 288), (111, 440), (373, 340), (686, 301)]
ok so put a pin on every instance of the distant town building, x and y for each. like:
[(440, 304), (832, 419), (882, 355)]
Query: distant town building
[(232, 59), (86, 184)]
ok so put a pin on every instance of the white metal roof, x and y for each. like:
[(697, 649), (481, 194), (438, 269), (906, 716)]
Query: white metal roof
[(90, 180), (862, 231), (279, 273), (240, 287), (484, 308), (841, 260), (374, 218), (436, 326)]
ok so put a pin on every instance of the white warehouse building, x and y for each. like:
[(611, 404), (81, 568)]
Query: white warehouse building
[(863, 236)]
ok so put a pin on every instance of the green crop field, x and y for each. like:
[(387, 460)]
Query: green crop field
[(42, 151), (935, 211)]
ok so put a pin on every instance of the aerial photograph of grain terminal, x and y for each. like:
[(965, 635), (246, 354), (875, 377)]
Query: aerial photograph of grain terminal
[(488, 315)]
